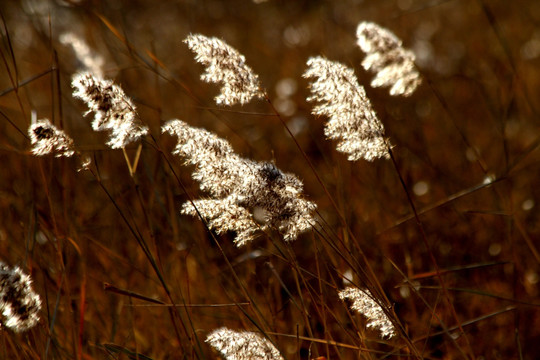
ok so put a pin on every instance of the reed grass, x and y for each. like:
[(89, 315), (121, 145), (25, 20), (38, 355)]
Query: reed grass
[(362, 186)]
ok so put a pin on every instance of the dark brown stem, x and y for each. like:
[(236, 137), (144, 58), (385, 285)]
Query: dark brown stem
[(432, 257)]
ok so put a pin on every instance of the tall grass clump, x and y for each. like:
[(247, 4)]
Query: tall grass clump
[(347, 181)]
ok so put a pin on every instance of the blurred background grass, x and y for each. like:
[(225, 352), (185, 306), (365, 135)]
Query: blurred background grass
[(473, 119)]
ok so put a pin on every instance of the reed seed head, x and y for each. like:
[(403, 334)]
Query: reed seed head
[(90, 61), (19, 304), (46, 139), (364, 303), (225, 65), (352, 120), (238, 186), (113, 110), (385, 55), (242, 345)]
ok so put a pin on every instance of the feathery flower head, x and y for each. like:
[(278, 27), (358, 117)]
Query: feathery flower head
[(393, 64), (363, 303), (352, 120), (242, 345), (225, 65), (18, 302), (91, 62), (238, 186), (114, 111), (46, 139)]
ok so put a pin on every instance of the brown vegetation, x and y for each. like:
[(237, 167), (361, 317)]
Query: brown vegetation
[(443, 234)]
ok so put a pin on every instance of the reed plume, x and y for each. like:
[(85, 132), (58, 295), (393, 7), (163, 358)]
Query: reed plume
[(46, 139), (352, 120), (225, 65), (114, 111), (242, 345), (363, 302), (385, 55), (90, 61), (239, 187), (19, 303)]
